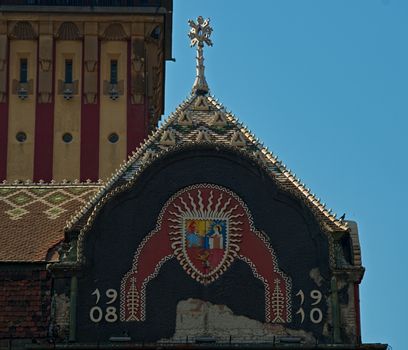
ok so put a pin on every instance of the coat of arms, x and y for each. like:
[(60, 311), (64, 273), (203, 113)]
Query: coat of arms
[(205, 227), (205, 242), (205, 230)]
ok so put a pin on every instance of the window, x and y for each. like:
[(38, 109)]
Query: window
[(113, 138), (68, 71), (67, 137), (21, 136), (114, 71), (23, 70)]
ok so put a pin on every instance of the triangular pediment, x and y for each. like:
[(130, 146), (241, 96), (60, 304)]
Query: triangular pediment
[(184, 118), (199, 119), (238, 139), (168, 138), (201, 103), (219, 119), (203, 136)]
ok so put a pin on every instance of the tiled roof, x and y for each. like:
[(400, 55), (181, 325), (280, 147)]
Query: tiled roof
[(33, 216), (202, 119)]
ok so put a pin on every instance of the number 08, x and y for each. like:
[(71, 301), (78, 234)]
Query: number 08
[(96, 314)]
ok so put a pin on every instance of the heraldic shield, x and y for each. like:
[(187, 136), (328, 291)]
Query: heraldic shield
[(206, 228), (205, 231), (205, 243)]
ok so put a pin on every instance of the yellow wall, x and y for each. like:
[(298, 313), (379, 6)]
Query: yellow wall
[(67, 114), (20, 156), (112, 113)]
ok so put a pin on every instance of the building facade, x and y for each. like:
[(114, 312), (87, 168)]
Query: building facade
[(81, 84), (202, 239)]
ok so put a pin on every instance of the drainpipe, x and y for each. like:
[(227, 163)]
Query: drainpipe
[(335, 311)]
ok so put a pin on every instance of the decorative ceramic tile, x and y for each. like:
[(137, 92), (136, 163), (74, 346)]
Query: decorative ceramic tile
[(19, 201), (16, 213)]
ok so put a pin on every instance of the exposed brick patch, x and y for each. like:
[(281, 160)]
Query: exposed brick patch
[(25, 304)]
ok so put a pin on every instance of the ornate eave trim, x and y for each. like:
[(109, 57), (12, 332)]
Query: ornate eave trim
[(48, 185), (190, 146), (253, 150)]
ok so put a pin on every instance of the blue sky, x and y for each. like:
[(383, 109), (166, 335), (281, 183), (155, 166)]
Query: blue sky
[(325, 85)]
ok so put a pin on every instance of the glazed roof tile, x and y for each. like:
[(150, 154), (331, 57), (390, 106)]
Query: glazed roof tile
[(203, 125), (33, 216)]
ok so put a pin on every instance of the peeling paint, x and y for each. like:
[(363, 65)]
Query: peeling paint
[(327, 326), (198, 318), (316, 276), (61, 316), (348, 313)]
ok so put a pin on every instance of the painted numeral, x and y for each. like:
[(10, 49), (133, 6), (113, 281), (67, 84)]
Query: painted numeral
[(302, 314), (98, 295), (96, 314), (316, 295), (112, 294), (302, 296), (315, 315), (111, 315)]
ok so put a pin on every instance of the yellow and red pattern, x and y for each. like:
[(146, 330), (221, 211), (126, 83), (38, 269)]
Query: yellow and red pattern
[(205, 243)]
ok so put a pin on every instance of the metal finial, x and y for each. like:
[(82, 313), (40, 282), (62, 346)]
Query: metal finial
[(199, 34)]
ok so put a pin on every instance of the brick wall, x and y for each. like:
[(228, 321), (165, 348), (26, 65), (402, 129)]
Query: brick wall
[(25, 304)]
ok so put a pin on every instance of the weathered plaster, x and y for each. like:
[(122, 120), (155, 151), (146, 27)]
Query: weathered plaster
[(61, 314), (347, 310), (198, 318), (316, 276)]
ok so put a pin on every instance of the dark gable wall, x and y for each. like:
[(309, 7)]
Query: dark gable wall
[(123, 222)]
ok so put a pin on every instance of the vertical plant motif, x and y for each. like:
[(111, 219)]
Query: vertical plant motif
[(132, 301), (278, 302), (205, 227)]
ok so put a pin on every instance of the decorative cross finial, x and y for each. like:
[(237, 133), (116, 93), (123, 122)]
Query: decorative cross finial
[(199, 34)]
